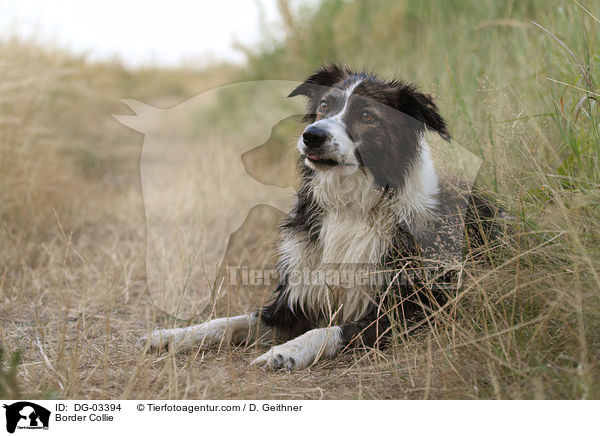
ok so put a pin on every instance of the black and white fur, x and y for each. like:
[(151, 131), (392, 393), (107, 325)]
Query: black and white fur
[(369, 188)]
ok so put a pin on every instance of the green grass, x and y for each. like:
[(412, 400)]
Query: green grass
[(9, 385)]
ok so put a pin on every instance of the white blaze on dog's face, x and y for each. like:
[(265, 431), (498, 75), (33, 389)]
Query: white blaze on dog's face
[(357, 121), (326, 143)]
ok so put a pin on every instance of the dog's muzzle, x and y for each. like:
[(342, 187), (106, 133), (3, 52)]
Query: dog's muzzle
[(314, 137), (317, 147)]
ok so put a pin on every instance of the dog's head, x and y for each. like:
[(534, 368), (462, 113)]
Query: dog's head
[(357, 121)]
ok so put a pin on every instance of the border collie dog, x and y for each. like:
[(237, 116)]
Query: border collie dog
[(370, 201)]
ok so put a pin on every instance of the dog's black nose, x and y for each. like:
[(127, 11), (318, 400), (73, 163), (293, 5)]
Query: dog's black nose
[(315, 136)]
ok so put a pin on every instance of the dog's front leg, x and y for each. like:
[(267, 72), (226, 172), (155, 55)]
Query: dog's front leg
[(235, 329), (309, 347), (304, 350)]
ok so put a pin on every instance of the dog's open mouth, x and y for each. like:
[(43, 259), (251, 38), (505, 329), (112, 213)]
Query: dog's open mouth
[(319, 161)]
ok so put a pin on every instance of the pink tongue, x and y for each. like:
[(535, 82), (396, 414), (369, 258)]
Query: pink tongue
[(313, 157)]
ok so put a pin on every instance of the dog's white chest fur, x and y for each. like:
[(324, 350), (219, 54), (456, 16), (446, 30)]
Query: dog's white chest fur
[(354, 237), (330, 269), (350, 239)]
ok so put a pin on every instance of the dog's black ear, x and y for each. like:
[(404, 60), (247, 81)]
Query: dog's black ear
[(421, 107), (325, 77), (431, 115)]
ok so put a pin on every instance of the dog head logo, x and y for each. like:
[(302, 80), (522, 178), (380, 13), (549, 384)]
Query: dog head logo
[(209, 162), (26, 415)]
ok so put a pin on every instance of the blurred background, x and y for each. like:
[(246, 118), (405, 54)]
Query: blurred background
[(142, 34), (517, 82)]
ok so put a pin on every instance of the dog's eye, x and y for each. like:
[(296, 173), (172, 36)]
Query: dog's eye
[(366, 116), (323, 106)]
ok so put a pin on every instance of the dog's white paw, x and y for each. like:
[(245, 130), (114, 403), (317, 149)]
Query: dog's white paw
[(302, 352), (286, 356), (164, 339)]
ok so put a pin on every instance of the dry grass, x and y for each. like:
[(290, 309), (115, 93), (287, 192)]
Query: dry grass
[(525, 323)]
